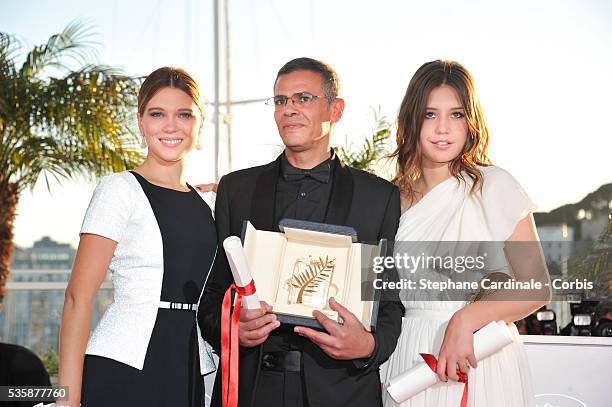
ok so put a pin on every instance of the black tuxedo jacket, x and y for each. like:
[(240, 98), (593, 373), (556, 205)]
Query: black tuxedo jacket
[(371, 206)]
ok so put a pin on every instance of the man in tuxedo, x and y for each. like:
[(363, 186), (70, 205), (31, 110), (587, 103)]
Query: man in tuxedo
[(282, 365)]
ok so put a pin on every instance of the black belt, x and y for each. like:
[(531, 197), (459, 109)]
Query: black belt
[(283, 361)]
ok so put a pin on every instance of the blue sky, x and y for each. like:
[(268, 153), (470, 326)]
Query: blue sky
[(542, 68)]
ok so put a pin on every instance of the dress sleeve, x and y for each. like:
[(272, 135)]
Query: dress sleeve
[(110, 208), (505, 203)]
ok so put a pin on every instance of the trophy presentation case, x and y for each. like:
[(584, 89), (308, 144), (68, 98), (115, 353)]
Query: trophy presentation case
[(298, 269)]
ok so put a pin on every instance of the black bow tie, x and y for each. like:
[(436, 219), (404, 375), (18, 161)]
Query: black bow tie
[(319, 173)]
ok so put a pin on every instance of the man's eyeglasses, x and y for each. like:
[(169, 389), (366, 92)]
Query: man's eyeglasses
[(300, 99)]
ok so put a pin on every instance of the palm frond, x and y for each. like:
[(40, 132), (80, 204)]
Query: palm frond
[(72, 47), (8, 45), (372, 150), (80, 124)]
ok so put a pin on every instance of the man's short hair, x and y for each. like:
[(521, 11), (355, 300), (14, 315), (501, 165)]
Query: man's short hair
[(331, 83)]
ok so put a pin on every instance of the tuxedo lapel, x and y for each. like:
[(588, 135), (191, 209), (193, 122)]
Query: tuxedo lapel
[(341, 195), (264, 198)]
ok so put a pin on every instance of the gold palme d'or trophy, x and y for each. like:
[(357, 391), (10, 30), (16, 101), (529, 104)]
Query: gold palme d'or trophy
[(311, 280)]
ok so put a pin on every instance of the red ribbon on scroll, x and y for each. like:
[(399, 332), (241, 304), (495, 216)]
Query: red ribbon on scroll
[(432, 362), (229, 342)]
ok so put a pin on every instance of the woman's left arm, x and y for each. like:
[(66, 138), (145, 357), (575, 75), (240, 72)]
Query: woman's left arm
[(525, 257)]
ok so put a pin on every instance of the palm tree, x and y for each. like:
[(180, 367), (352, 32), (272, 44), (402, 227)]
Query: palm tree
[(369, 155), (60, 116)]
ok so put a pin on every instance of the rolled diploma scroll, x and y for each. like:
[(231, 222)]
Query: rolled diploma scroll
[(240, 269), (487, 341)]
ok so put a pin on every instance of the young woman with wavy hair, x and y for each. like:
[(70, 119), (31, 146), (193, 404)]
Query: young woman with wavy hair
[(452, 193)]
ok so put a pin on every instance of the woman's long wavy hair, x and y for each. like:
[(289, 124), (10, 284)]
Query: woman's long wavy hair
[(410, 120)]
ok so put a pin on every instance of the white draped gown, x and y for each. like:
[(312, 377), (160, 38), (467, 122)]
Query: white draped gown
[(449, 213)]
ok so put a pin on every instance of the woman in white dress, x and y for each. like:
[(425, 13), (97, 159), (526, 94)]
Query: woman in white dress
[(451, 192)]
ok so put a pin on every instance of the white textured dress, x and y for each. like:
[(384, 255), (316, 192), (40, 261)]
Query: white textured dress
[(449, 213)]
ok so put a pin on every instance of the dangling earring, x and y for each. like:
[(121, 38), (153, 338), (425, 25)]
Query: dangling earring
[(198, 145), (143, 142)]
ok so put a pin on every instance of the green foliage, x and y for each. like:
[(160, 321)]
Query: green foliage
[(368, 155), (51, 361), (595, 265), (59, 121)]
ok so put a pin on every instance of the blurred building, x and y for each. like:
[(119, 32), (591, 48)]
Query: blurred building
[(44, 254), (33, 305), (570, 237), (557, 245)]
